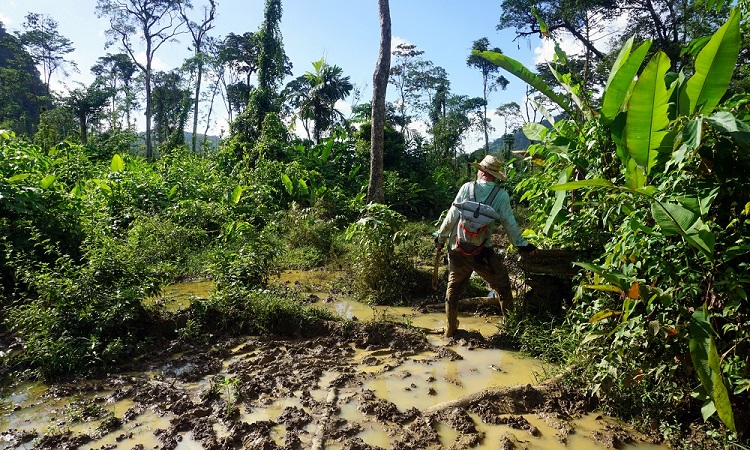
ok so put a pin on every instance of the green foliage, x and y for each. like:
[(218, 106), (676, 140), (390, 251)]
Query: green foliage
[(245, 264), (308, 238), (255, 312), (653, 181), (382, 271)]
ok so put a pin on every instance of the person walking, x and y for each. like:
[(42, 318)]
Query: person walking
[(463, 258)]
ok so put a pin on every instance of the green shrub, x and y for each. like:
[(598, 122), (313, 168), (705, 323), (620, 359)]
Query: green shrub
[(242, 265), (248, 311), (382, 272)]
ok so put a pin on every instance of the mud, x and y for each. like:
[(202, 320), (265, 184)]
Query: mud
[(213, 396)]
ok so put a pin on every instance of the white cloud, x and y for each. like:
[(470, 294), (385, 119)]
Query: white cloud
[(396, 41), (546, 52), (344, 107), (7, 21), (156, 63)]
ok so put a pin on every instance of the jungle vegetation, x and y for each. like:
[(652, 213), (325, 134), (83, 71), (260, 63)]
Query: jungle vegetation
[(638, 155)]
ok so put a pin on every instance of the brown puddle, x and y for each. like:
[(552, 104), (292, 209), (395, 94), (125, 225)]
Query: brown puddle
[(319, 393)]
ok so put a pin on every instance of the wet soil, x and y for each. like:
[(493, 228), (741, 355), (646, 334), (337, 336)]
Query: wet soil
[(208, 395)]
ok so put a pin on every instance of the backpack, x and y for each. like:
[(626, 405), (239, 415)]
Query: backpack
[(474, 220)]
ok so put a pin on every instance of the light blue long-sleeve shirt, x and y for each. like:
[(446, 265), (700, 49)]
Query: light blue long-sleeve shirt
[(501, 205)]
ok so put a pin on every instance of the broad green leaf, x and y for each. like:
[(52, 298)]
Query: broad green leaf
[(635, 176), (534, 131), (708, 410), (708, 367), (601, 315), (287, 183), (726, 123), (543, 27), (18, 177), (103, 185), (703, 239), (582, 183), (622, 56), (713, 69), (592, 336), (303, 189), (117, 165), (539, 107), (326, 150), (47, 181), (695, 46), (173, 191), (621, 78), (673, 218), (518, 69), (647, 119), (620, 281), (236, 195), (559, 201), (566, 82), (691, 140)]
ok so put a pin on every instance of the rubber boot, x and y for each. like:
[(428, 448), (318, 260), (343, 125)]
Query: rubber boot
[(451, 311)]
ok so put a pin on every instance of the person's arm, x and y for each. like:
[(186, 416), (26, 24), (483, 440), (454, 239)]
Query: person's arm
[(508, 220), (450, 220)]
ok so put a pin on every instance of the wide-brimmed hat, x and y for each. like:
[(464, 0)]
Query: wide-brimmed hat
[(492, 166)]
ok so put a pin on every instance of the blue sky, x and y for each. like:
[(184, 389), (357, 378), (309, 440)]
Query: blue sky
[(345, 32)]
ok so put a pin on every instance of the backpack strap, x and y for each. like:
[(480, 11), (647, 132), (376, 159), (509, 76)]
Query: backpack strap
[(491, 198), (472, 194)]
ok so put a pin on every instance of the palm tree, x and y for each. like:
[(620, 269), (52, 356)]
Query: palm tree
[(313, 96)]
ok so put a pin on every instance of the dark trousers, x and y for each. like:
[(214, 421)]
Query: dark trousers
[(489, 265)]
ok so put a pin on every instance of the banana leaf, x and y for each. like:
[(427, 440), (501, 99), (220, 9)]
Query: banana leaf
[(708, 367), (647, 119), (520, 71), (713, 69), (621, 78)]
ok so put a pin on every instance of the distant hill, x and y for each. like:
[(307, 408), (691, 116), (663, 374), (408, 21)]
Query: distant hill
[(521, 142)]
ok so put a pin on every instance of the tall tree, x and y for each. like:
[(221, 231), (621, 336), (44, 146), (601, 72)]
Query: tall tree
[(46, 45), (453, 116), (490, 81), (273, 65), (375, 193), (402, 78), (198, 33), (118, 71), (170, 109), (152, 21), (512, 119), (87, 103), (314, 96), (20, 88), (551, 17), (237, 56)]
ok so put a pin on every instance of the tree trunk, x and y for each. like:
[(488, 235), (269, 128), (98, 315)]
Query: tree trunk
[(84, 126), (375, 192), (149, 149), (195, 106)]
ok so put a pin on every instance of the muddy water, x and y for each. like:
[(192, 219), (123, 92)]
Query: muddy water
[(418, 380)]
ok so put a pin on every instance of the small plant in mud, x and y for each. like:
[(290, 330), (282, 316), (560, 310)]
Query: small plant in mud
[(85, 411), (229, 387)]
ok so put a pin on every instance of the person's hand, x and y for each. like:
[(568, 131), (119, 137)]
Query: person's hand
[(438, 245), (529, 249)]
